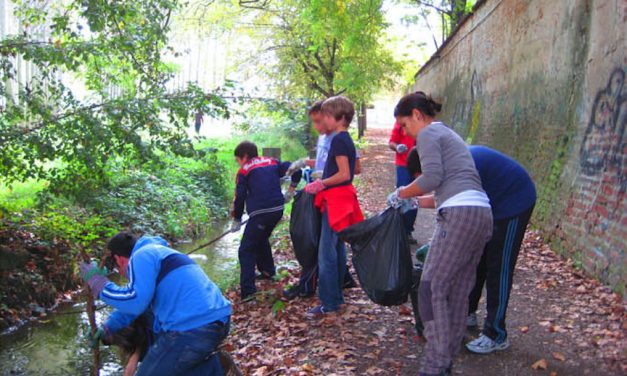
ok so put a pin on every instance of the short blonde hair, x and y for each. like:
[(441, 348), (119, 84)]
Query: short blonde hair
[(340, 108)]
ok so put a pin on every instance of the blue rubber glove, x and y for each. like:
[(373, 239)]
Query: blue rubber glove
[(95, 277)]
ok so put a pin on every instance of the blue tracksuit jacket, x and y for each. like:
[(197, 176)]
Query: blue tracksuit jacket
[(184, 299)]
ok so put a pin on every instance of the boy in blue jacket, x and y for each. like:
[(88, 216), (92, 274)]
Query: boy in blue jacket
[(258, 189), (191, 316)]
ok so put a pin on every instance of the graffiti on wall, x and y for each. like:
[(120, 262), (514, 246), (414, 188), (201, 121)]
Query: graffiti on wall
[(604, 141), (466, 114)]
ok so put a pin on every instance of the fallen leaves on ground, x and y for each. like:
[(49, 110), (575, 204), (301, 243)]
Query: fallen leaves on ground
[(540, 365), (575, 316), (590, 316), (559, 356)]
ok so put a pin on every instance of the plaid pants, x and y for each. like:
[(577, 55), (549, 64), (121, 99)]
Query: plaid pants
[(448, 277)]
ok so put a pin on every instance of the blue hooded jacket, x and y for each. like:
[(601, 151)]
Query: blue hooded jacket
[(184, 299)]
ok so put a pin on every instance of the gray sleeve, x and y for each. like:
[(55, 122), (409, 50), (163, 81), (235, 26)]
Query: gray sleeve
[(430, 152)]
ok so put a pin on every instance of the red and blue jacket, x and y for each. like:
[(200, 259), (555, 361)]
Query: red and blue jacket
[(258, 186)]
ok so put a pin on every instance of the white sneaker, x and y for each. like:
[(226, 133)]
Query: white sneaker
[(486, 345), (471, 320)]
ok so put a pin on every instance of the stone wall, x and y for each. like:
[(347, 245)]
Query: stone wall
[(544, 81)]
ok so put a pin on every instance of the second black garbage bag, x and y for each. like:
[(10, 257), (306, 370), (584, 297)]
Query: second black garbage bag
[(305, 229), (381, 257)]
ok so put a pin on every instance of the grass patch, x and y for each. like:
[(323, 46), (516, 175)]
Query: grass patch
[(20, 195)]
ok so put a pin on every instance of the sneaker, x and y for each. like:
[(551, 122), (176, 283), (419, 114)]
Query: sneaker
[(292, 292), (264, 276), (316, 312), (471, 320), (486, 345)]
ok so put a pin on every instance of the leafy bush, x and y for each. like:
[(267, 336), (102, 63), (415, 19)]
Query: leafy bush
[(174, 196), (72, 224)]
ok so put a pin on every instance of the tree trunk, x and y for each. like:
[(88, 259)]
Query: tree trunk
[(307, 139), (361, 121)]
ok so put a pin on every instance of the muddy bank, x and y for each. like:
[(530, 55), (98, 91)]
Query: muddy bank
[(34, 276)]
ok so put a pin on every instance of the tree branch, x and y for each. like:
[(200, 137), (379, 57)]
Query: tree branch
[(313, 83), (247, 4), (430, 29), (433, 6)]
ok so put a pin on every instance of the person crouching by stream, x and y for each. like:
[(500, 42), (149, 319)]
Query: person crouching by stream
[(464, 226), (191, 316), (336, 198), (258, 188)]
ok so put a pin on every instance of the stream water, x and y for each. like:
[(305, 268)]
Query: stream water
[(56, 344)]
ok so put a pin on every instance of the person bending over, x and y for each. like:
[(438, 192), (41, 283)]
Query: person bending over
[(191, 316)]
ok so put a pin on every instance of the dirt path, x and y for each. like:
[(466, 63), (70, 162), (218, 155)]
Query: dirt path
[(556, 314)]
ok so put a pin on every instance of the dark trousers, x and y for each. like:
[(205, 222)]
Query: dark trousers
[(189, 353), (255, 250), (496, 270), (309, 278), (409, 217)]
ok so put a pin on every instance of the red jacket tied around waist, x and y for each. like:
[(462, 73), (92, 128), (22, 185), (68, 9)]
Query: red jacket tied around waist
[(341, 206)]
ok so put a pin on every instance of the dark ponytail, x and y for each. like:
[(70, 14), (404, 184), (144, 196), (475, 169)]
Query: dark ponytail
[(417, 101)]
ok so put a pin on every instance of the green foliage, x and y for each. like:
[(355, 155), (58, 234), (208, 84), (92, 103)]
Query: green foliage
[(19, 196), (277, 124), (174, 196), (450, 12), (291, 149), (315, 48), (278, 307), (73, 224), (117, 104)]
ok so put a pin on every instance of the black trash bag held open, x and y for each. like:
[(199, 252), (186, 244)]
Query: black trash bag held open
[(305, 229), (381, 257)]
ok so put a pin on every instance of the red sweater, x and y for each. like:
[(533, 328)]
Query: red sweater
[(341, 206), (400, 137)]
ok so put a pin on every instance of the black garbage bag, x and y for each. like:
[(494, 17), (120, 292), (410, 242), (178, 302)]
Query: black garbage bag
[(305, 229), (416, 275), (381, 257)]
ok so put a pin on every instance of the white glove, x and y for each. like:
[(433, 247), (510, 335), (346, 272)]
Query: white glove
[(295, 166), (401, 148), (236, 225), (287, 196), (394, 200), (405, 204)]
